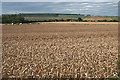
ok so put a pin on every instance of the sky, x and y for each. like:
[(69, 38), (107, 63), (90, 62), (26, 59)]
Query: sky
[(60, 1), (92, 7)]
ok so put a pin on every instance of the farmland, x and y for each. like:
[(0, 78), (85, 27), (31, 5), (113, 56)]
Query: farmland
[(47, 17), (63, 50), (54, 17)]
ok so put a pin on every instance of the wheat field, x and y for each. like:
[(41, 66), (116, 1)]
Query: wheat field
[(50, 50)]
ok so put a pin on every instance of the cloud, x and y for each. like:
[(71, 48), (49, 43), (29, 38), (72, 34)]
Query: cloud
[(60, 0), (84, 3), (89, 6), (70, 9), (93, 8)]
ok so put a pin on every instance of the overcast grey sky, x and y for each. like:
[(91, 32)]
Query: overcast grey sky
[(92, 8), (60, 0)]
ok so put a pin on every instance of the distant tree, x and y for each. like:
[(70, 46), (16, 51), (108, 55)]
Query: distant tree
[(69, 19), (50, 20), (85, 21), (55, 20), (88, 15), (62, 20), (104, 21), (80, 19), (115, 20), (12, 19)]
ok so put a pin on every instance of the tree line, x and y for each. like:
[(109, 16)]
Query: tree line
[(16, 18)]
